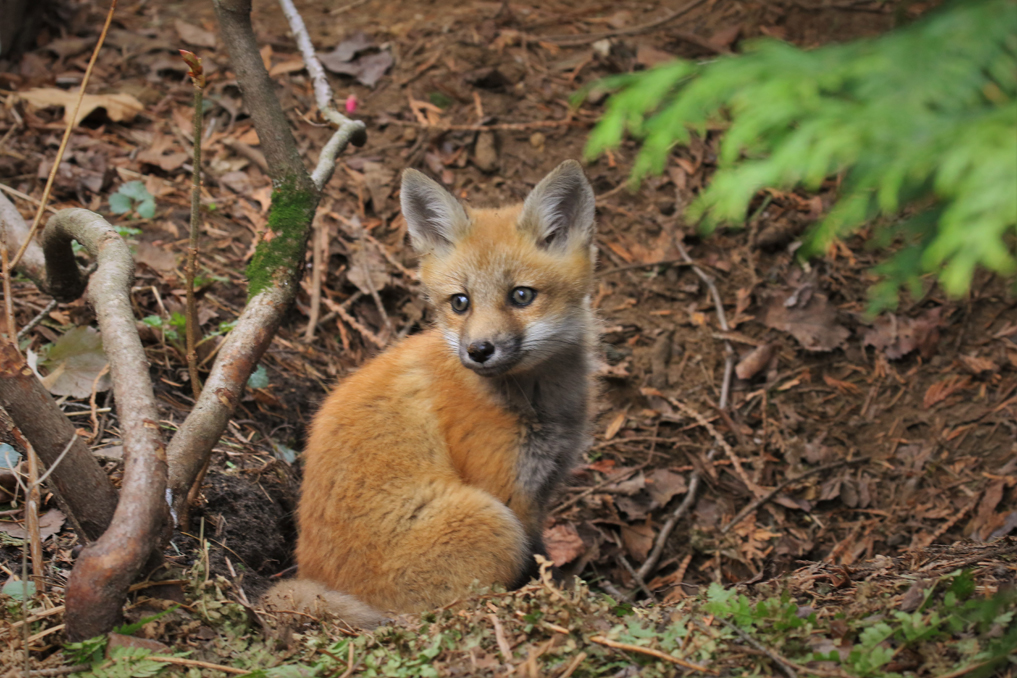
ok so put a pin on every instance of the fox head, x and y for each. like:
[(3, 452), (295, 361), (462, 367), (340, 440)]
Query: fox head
[(511, 286)]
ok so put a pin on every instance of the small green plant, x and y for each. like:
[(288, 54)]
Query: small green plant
[(921, 122), (133, 196)]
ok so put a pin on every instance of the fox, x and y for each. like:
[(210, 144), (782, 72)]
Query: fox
[(431, 469)]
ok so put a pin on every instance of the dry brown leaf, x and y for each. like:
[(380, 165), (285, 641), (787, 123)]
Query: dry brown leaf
[(49, 524), (812, 321), (160, 153), (942, 390), (663, 485), (845, 387), (118, 107), (977, 366), (755, 361), (615, 425), (897, 336), (649, 57), (563, 543), (638, 540), (194, 35)]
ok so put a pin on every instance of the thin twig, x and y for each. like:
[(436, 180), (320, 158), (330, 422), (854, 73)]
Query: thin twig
[(197, 74), (638, 578), (180, 661), (729, 354), (347, 131), (8, 297), (37, 319), (72, 122), (27, 198), (759, 501), (665, 531), (319, 249), (601, 640), (32, 520), (573, 40), (507, 126), (777, 659), (736, 462), (632, 267), (67, 448)]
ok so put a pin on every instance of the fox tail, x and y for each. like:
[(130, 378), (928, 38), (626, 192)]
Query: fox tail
[(311, 597)]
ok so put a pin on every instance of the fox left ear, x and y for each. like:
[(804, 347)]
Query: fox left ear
[(559, 211)]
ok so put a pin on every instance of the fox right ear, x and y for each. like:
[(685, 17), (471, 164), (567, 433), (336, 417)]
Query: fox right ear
[(436, 220)]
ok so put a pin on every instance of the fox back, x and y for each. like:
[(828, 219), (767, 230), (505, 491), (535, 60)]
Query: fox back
[(433, 466)]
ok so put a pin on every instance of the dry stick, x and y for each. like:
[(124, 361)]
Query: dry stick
[(37, 319), (32, 501), (318, 247), (632, 267), (640, 582), (759, 501), (729, 355), (32, 264), (777, 659), (506, 126), (71, 124), (6, 272), (634, 30), (24, 196), (40, 422), (198, 80), (601, 640), (665, 532)]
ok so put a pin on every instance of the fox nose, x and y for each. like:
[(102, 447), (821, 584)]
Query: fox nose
[(480, 351)]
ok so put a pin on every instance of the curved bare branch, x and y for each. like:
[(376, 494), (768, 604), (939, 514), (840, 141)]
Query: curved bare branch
[(105, 569)]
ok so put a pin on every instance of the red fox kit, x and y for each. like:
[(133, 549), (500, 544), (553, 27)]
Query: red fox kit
[(433, 465)]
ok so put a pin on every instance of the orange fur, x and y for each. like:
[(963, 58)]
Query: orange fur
[(412, 489)]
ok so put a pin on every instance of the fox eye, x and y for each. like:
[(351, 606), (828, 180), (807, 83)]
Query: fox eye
[(460, 302), (522, 296)]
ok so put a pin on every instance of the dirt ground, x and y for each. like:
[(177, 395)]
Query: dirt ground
[(902, 428)]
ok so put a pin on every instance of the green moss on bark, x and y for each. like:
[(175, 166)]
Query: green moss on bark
[(281, 252)]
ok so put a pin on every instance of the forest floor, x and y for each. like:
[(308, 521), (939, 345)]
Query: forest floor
[(875, 456)]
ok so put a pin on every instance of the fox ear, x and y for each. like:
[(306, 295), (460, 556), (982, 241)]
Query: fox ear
[(435, 218), (559, 210)]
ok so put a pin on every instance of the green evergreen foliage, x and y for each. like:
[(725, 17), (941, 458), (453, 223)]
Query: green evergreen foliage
[(921, 121)]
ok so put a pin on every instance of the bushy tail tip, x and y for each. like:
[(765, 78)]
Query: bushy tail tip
[(311, 597)]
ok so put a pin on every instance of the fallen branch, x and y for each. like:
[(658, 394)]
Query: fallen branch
[(81, 487), (781, 663), (572, 40), (646, 569), (105, 569), (759, 501), (506, 126)]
